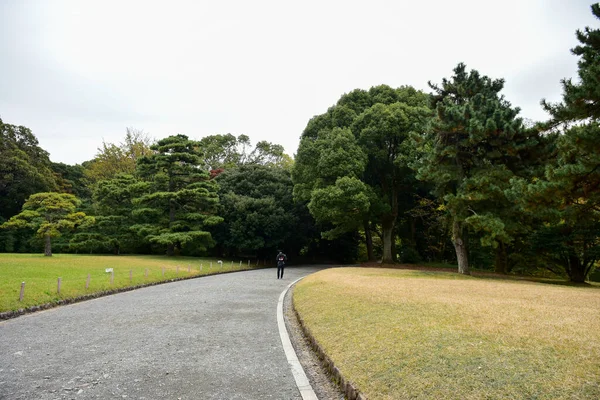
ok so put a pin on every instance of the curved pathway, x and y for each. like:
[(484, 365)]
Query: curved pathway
[(214, 337)]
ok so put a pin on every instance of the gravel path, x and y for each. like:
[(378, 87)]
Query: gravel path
[(209, 338)]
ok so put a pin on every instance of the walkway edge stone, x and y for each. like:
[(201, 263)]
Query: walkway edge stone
[(348, 388), (304, 386), (5, 315)]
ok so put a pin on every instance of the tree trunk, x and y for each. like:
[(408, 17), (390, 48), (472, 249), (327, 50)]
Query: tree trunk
[(171, 246), (460, 247), (501, 261), (171, 249), (576, 269), (369, 241), (47, 246), (387, 226), (388, 234)]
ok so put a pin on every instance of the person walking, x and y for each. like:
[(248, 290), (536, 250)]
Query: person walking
[(281, 259)]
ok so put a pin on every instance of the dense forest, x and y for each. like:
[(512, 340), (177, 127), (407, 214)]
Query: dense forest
[(391, 174)]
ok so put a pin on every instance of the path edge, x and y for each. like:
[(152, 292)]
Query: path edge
[(350, 390), (302, 382), (11, 314)]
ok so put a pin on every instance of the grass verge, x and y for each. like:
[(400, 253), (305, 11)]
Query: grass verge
[(400, 334), (41, 274)]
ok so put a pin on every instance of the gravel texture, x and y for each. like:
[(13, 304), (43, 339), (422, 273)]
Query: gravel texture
[(209, 338)]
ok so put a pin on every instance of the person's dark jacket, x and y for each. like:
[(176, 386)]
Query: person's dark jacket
[(281, 258)]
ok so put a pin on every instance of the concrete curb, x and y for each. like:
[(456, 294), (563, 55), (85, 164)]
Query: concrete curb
[(347, 387), (5, 315), (304, 386)]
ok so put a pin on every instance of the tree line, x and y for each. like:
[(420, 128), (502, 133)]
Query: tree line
[(391, 174)]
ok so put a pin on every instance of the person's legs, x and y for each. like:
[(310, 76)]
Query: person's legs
[(279, 272), (282, 271)]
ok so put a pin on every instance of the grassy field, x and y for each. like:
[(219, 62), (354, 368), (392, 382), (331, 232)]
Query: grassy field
[(41, 274), (402, 334)]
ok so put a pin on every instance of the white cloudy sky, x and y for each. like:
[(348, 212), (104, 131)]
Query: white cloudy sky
[(77, 72)]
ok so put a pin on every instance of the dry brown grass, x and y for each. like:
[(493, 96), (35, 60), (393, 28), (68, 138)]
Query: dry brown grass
[(434, 335)]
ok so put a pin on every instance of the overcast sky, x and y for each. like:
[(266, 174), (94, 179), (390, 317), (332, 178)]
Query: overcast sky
[(79, 72)]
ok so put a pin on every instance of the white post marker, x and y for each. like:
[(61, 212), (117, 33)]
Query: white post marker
[(163, 271), (58, 287), (87, 282), (178, 270), (189, 268), (200, 266), (240, 264), (146, 272), (22, 291)]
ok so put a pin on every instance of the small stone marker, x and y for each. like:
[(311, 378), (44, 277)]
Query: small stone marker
[(58, 287), (22, 291), (87, 282)]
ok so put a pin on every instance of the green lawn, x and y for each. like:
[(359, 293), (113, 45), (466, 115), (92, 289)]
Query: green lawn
[(406, 334), (41, 274)]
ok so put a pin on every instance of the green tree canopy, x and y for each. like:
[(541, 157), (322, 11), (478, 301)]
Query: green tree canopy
[(71, 179), (467, 152), (364, 137), (221, 152), (581, 99), (258, 210), (224, 151), (25, 168), (51, 214), (113, 210), (567, 196), (180, 201), (113, 159)]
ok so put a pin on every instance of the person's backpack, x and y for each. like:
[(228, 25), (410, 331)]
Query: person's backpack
[(281, 258)]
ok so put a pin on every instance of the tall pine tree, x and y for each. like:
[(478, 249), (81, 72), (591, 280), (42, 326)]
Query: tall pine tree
[(181, 200), (467, 156), (568, 195)]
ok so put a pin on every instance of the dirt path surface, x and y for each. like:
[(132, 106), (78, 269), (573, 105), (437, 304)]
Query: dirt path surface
[(209, 338)]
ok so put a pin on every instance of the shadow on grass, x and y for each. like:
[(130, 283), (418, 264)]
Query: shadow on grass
[(438, 267)]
